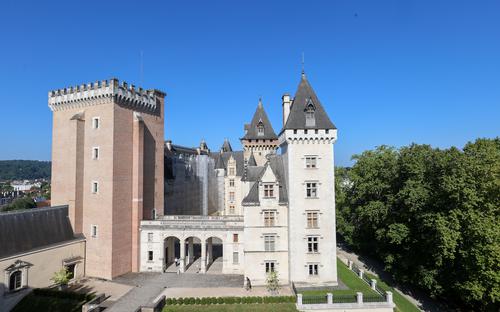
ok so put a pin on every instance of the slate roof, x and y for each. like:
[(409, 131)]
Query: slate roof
[(253, 173), (276, 164), (251, 129), (251, 160), (226, 146), (25, 230), (297, 117), (238, 157)]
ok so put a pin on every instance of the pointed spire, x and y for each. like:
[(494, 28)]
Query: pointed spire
[(226, 146), (219, 164), (305, 96), (251, 160), (260, 120)]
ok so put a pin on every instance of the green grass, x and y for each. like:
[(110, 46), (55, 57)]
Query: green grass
[(34, 302), (264, 307), (350, 279), (402, 304)]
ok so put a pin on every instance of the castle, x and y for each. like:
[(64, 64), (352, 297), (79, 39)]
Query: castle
[(143, 203)]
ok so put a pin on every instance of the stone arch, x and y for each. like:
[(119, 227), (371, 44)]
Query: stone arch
[(15, 280)]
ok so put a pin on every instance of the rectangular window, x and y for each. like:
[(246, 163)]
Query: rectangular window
[(93, 231), (231, 171), (95, 187), (231, 209), (235, 238), (150, 237), (269, 242), (311, 189), (236, 257), (269, 218), (96, 122), (270, 266), (153, 214), (231, 182), (268, 190), (150, 255), (312, 219), (313, 269), (312, 244), (95, 153), (231, 196), (311, 161)]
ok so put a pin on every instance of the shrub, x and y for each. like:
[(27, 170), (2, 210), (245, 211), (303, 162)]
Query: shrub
[(180, 300)]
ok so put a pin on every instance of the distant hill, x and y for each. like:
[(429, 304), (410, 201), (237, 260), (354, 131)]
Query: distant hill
[(24, 169)]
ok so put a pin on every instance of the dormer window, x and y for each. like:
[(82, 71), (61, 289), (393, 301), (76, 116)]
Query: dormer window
[(309, 111), (260, 128)]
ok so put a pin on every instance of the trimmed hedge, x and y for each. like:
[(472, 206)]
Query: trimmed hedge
[(229, 300), (47, 292)]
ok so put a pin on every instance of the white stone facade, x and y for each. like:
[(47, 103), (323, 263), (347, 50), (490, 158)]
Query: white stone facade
[(278, 211)]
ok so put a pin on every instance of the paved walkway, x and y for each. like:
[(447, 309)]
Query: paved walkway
[(148, 286)]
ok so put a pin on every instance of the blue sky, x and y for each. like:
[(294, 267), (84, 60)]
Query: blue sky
[(387, 72)]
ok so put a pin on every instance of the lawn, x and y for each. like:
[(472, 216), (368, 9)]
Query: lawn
[(34, 302), (402, 304), (350, 279), (262, 307)]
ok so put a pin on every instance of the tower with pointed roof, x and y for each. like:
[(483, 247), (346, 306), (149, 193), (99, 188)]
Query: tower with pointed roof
[(306, 142), (260, 138)]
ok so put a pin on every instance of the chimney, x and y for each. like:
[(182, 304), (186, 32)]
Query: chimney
[(287, 103)]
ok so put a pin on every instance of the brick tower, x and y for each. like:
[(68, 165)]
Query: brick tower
[(107, 165)]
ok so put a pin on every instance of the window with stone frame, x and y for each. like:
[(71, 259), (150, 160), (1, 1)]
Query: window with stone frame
[(231, 171), (269, 242), (235, 237), (268, 190), (312, 219), (96, 122), (95, 187), (231, 182), (260, 129), (94, 231), (311, 189), (150, 237), (236, 257), (309, 111), (15, 280), (312, 244), (311, 162), (231, 196), (95, 153), (270, 266), (150, 255), (313, 269), (269, 217), (231, 209)]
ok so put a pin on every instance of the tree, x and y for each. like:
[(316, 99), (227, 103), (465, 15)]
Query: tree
[(20, 204), (61, 277), (272, 282), (430, 216)]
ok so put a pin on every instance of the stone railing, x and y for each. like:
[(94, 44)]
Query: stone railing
[(194, 222), (343, 303)]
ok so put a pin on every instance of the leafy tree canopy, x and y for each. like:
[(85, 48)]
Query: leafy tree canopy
[(432, 217)]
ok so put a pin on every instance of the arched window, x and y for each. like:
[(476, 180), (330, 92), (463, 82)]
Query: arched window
[(309, 111), (15, 280), (260, 128)]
